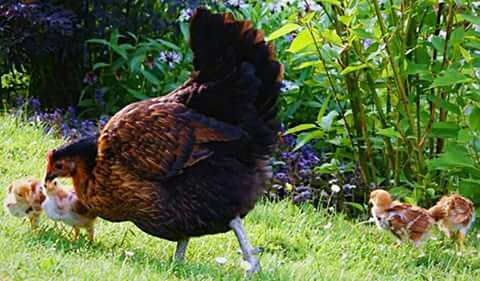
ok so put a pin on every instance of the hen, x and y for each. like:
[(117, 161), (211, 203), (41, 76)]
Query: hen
[(455, 215), (406, 222), (193, 162)]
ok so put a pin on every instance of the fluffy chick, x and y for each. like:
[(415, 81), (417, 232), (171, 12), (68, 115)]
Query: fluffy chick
[(63, 205), (24, 199), (454, 215), (406, 222)]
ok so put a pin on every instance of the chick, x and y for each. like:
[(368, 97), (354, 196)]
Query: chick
[(63, 205), (406, 222), (24, 199), (454, 215)]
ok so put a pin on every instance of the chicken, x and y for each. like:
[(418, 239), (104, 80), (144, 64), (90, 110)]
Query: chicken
[(406, 222), (63, 205), (24, 199), (454, 215), (193, 162)]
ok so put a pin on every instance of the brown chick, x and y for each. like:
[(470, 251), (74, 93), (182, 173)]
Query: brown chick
[(454, 215), (63, 205), (406, 222), (24, 199)]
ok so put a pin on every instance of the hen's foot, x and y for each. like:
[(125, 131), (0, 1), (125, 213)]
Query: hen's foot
[(249, 253)]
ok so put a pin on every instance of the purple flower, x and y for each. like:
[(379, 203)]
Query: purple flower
[(35, 104), (90, 78), (100, 97), (367, 43), (170, 58), (20, 101), (283, 177)]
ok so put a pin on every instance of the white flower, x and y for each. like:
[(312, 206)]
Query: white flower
[(335, 188), (129, 253), (327, 226), (185, 15), (221, 260), (288, 86)]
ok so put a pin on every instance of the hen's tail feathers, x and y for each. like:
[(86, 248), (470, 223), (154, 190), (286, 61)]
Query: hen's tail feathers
[(438, 212), (233, 59)]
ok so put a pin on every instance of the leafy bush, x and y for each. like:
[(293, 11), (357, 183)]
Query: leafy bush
[(395, 85)]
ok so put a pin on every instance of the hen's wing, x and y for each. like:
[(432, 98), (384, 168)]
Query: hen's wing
[(157, 138), (405, 219)]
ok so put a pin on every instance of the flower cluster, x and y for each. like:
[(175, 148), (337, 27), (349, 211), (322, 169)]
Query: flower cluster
[(295, 176), (170, 58), (63, 122)]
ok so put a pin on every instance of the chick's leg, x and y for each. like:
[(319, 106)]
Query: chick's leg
[(247, 250), (33, 218), (181, 249), (461, 240), (90, 232), (76, 233)]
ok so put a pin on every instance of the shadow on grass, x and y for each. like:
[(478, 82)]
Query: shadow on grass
[(60, 239)]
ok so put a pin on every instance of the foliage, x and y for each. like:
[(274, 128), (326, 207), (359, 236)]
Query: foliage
[(395, 89), (134, 71)]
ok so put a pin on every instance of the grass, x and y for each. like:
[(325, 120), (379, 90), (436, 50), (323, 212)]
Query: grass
[(300, 243)]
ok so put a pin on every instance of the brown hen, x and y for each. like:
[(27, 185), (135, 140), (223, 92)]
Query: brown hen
[(193, 162), (454, 215)]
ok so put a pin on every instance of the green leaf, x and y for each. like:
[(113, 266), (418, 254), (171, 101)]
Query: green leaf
[(470, 188), (332, 2), (99, 41), (168, 44), (307, 137), (472, 19), (100, 65), (357, 206), (309, 64), (389, 132), (444, 130), (353, 68), (457, 36), (137, 94), (284, 30), (332, 37), (324, 108), (450, 77), (121, 51), (308, 18), (135, 63), (303, 40), (455, 157), (150, 77), (451, 107), (438, 43), (474, 119), (300, 128)]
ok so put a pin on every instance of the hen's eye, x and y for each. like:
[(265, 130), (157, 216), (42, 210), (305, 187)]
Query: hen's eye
[(58, 166)]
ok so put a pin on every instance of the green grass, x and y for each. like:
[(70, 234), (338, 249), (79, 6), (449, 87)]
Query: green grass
[(300, 243)]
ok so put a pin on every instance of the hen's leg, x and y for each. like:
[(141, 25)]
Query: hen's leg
[(181, 249), (247, 250)]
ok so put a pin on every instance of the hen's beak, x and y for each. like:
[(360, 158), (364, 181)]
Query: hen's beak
[(49, 177)]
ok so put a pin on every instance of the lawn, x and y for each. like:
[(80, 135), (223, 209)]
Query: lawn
[(300, 243)]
